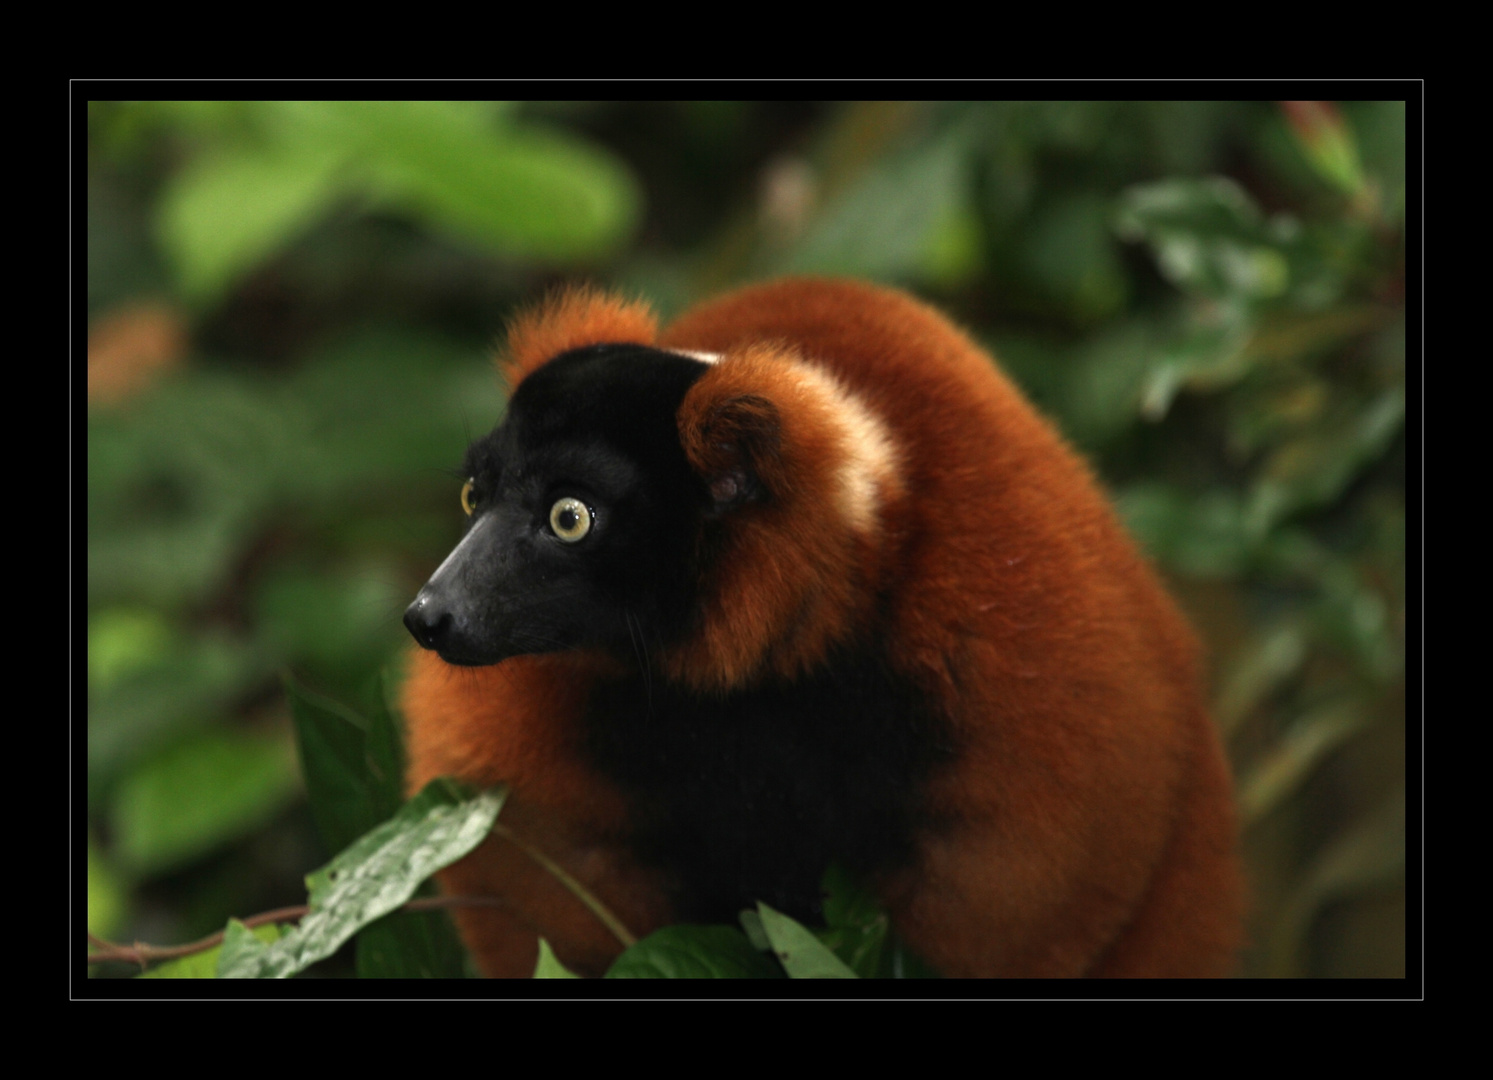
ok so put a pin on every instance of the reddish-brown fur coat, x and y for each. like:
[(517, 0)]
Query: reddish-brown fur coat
[(1086, 824)]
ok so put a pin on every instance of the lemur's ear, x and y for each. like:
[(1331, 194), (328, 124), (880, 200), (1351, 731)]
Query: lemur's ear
[(731, 442)]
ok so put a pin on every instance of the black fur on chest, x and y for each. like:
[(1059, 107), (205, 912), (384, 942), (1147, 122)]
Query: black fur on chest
[(751, 796)]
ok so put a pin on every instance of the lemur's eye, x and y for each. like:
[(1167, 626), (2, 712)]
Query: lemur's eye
[(468, 498), (571, 519)]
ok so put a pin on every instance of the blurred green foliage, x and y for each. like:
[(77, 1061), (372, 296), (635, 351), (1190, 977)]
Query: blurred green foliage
[(292, 306)]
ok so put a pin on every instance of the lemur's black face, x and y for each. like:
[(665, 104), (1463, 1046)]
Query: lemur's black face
[(583, 513)]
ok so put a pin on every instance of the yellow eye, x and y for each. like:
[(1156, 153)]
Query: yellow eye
[(467, 502), (571, 519)]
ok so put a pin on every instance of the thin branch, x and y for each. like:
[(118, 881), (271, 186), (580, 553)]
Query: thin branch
[(579, 891), (142, 954)]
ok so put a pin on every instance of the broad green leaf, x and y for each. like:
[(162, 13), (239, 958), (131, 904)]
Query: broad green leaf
[(204, 965), (373, 877), (549, 967), (1209, 237), (1102, 381), (411, 945), (354, 126), (751, 925), (1199, 534), (179, 486), (209, 789), (953, 252), (855, 926), (693, 952), (385, 402), (405, 944), (125, 640), (1068, 254), (526, 191), (354, 776), (331, 622), (333, 746), (1209, 354), (537, 194), (1379, 127), (900, 962), (1353, 613), (223, 214), (1327, 142), (107, 899), (1313, 470), (150, 708), (519, 190), (802, 955), (887, 224)]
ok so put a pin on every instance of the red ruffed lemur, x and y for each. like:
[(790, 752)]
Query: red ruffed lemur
[(803, 579)]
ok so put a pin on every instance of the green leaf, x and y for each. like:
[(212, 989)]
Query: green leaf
[(150, 708), (855, 926), (1095, 390), (954, 252), (209, 789), (1315, 469), (538, 194), (204, 965), (1209, 354), (525, 191), (802, 955), (411, 945), (1379, 127), (124, 640), (900, 962), (178, 487), (1327, 143), (226, 212), (1067, 252), (519, 190), (373, 877), (751, 925), (334, 760), (329, 621), (354, 775), (889, 223), (1209, 237), (693, 952), (107, 899), (1198, 534), (1352, 613), (550, 968)]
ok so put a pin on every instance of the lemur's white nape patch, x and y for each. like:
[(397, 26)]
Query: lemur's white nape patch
[(870, 456), (703, 357)]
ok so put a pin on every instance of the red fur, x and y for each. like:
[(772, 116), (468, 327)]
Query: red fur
[(1089, 823), (509, 724), (573, 319), (791, 578)]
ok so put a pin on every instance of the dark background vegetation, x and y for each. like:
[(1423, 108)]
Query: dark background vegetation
[(292, 309)]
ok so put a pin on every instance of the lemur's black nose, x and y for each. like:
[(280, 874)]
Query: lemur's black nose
[(428, 621)]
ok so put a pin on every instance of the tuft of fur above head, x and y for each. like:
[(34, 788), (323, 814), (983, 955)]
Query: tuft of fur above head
[(571, 319)]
